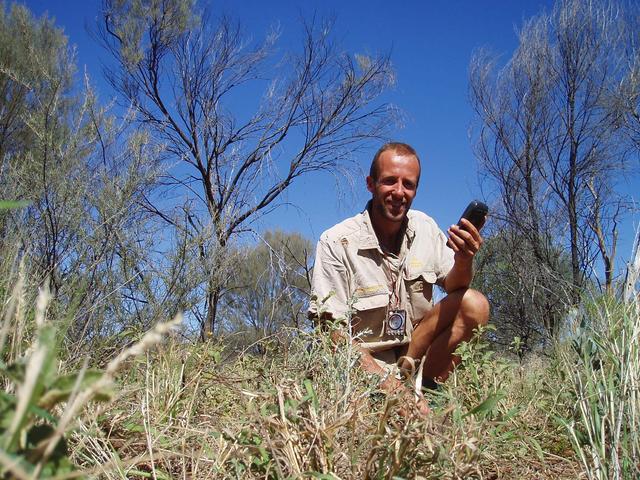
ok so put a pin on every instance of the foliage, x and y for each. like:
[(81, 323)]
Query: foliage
[(32, 438), (42, 395), (305, 410), (551, 141), (81, 174), (80, 212), (269, 287), (34, 64), (528, 299), (602, 364)]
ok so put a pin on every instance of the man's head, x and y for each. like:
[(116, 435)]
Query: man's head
[(393, 181), (398, 147)]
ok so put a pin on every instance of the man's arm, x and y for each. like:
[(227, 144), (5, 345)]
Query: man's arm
[(465, 242), (368, 363)]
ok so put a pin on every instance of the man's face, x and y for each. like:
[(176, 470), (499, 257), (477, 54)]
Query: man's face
[(395, 188)]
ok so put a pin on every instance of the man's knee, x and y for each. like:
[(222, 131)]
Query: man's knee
[(474, 308)]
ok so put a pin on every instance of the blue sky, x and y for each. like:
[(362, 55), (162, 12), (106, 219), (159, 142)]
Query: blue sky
[(431, 43)]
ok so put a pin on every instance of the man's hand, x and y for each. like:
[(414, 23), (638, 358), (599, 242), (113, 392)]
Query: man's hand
[(465, 240), (409, 402), (414, 404)]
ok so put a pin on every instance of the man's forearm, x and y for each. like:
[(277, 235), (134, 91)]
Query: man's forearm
[(459, 276), (389, 383)]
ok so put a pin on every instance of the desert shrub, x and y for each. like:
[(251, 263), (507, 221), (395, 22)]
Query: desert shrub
[(601, 365), (44, 397)]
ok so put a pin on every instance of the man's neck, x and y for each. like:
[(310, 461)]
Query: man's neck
[(389, 233)]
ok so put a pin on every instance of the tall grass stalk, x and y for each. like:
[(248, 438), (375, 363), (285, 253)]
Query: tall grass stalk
[(603, 365)]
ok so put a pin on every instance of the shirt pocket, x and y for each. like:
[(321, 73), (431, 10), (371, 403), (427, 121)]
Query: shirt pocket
[(419, 288), (367, 321)]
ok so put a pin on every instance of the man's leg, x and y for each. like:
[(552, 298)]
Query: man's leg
[(450, 322)]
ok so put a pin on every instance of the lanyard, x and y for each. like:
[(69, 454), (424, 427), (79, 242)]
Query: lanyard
[(394, 295)]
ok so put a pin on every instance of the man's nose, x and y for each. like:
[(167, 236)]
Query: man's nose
[(398, 189)]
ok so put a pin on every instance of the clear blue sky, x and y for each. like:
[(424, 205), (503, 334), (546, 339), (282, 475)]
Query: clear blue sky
[(431, 43)]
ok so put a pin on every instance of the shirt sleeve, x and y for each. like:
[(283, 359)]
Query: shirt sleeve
[(330, 282), (444, 257)]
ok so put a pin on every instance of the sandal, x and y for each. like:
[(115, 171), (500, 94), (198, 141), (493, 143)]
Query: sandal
[(405, 372), (412, 374)]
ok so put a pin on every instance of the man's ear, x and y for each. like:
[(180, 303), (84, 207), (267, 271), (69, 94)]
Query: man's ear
[(371, 184)]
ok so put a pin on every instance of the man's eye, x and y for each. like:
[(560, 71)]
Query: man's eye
[(409, 185), (388, 181)]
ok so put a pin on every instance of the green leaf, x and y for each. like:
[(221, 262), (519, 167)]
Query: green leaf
[(215, 354), (63, 387), (15, 371), (487, 405), (311, 394), (67, 382), (537, 447), (140, 473), (12, 204), (47, 340), (42, 362), (132, 426), (512, 413)]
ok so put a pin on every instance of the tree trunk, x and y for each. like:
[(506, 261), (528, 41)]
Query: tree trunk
[(213, 299)]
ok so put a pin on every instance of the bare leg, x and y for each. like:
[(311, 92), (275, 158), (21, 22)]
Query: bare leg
[(450, 322)]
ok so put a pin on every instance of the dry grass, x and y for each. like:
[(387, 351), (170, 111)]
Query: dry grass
[(306, 411)]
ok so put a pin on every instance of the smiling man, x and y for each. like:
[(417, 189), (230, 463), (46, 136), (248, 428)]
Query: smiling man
[(376, 271)]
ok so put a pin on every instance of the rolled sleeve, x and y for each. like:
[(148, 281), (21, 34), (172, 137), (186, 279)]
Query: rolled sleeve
[(329, 284), (444, 256)]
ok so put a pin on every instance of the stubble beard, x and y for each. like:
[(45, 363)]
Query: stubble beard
[(385, 212)]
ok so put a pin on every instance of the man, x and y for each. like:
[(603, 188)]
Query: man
[(377, 269)]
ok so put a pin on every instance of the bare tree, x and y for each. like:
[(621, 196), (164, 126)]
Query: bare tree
[(528, 298), (239, 124), (549, 141)]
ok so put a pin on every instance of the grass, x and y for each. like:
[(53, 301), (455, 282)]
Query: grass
[(165, 409), (603, 368), (305, 411)]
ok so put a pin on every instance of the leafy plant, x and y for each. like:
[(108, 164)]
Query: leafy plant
[(602, 363)]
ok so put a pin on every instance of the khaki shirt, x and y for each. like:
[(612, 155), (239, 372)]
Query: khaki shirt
[(353, 278)]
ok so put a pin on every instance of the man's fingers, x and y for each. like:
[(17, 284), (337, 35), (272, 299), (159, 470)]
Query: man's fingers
[(470, 228), (423, 407), (473, 231), (463, 240)]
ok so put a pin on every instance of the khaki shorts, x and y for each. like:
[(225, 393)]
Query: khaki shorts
[(388, 359)]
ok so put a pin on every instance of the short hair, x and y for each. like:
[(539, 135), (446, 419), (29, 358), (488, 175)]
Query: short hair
[(399, 148)]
